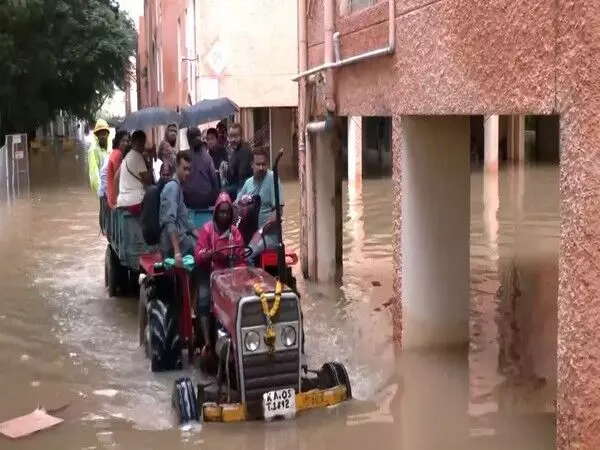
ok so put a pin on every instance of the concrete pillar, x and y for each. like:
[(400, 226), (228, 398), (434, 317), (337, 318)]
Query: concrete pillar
[(281, 136), (355, 151), (490, 157), (435, 234), (516, 139), (326, 255), (310, 220)]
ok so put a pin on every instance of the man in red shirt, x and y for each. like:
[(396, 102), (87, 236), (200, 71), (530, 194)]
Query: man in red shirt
[(120, 149)]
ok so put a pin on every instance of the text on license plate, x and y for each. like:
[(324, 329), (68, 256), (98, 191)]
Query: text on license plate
[(280, 403)]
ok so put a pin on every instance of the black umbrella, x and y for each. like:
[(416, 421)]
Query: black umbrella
[(150, 117), (206, 111)]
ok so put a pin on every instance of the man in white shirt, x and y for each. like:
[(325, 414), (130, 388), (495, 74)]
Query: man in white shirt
[(134, 176)]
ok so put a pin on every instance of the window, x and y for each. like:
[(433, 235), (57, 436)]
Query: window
[(356, 5), (179, 55), (159, 70), (162, 80), (190, 47), (157, 65)]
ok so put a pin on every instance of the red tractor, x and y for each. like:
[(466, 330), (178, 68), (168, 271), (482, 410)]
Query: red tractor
[(257, 331)]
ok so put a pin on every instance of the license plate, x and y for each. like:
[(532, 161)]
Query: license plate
[(279, 404)]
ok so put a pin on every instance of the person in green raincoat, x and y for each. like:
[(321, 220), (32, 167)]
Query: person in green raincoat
[(97, 153)]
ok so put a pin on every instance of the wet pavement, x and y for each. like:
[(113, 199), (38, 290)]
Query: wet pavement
[(62, 340)]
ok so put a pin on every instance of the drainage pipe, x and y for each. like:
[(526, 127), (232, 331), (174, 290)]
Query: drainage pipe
[(388, 50)]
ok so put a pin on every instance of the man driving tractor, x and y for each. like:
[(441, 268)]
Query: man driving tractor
[(219, 246)]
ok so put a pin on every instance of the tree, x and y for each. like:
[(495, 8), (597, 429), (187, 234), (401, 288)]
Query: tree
[(60, 55)]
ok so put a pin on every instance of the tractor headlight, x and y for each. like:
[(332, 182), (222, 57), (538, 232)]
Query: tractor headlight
[(251, 341), (288, 336)]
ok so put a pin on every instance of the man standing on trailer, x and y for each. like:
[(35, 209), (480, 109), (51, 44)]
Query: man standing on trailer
[(262, 184), (239, 168), (97, 152)]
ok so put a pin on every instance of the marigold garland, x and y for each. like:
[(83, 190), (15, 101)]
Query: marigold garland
[(269, 313)]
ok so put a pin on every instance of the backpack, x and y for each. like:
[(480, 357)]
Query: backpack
[(149, 216)]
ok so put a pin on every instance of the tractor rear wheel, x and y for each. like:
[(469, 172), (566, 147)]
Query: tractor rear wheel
[(164, 340)]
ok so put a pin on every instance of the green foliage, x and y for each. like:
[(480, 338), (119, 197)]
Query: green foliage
[(60, 55)]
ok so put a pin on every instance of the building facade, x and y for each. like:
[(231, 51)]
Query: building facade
[(430, 66), (247, 51), (190, 50), (159, 82)]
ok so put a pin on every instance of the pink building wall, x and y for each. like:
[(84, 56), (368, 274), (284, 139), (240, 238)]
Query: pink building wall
[(500, 57)]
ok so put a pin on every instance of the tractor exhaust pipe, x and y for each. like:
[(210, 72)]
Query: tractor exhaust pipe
[(281, 272)]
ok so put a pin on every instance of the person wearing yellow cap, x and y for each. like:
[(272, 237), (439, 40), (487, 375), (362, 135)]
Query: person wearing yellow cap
[(97, 153)]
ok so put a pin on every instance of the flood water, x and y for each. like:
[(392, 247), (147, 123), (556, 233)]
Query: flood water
[(62, 340)]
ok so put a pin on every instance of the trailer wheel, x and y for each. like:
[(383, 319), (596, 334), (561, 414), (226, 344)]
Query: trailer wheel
[(165, 342), (112, 269), (334, 374), (133, 284), (106, 270), (143, 332), (184, 401)]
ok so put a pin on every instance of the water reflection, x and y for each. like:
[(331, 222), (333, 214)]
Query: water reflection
[(498, 394), (355, 223), (491, 203), (514, 306)]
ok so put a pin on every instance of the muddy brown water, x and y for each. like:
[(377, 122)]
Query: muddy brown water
[(62, 340)]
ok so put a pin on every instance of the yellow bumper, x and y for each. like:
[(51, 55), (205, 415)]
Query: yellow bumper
[(236, 412)]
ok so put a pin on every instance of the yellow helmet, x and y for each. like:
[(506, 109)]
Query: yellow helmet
[(101, 125)]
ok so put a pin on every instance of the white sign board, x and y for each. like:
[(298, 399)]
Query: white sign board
[(217, 58), (19, 154), (16, 138)]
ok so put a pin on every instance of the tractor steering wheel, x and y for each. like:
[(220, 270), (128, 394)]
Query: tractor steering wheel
[(229, 251)]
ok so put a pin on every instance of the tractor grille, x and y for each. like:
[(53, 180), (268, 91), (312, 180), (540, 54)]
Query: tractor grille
[(252, 314), (264, 372)]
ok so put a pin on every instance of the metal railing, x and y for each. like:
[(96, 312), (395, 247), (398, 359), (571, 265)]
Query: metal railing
[(260, 138), (14, 167)]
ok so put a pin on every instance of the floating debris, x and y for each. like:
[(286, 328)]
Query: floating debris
[(106, 392), (33, 422)]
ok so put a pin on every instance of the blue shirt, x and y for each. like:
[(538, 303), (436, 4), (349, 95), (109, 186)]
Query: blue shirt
[(173, 214), (264, 188)]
